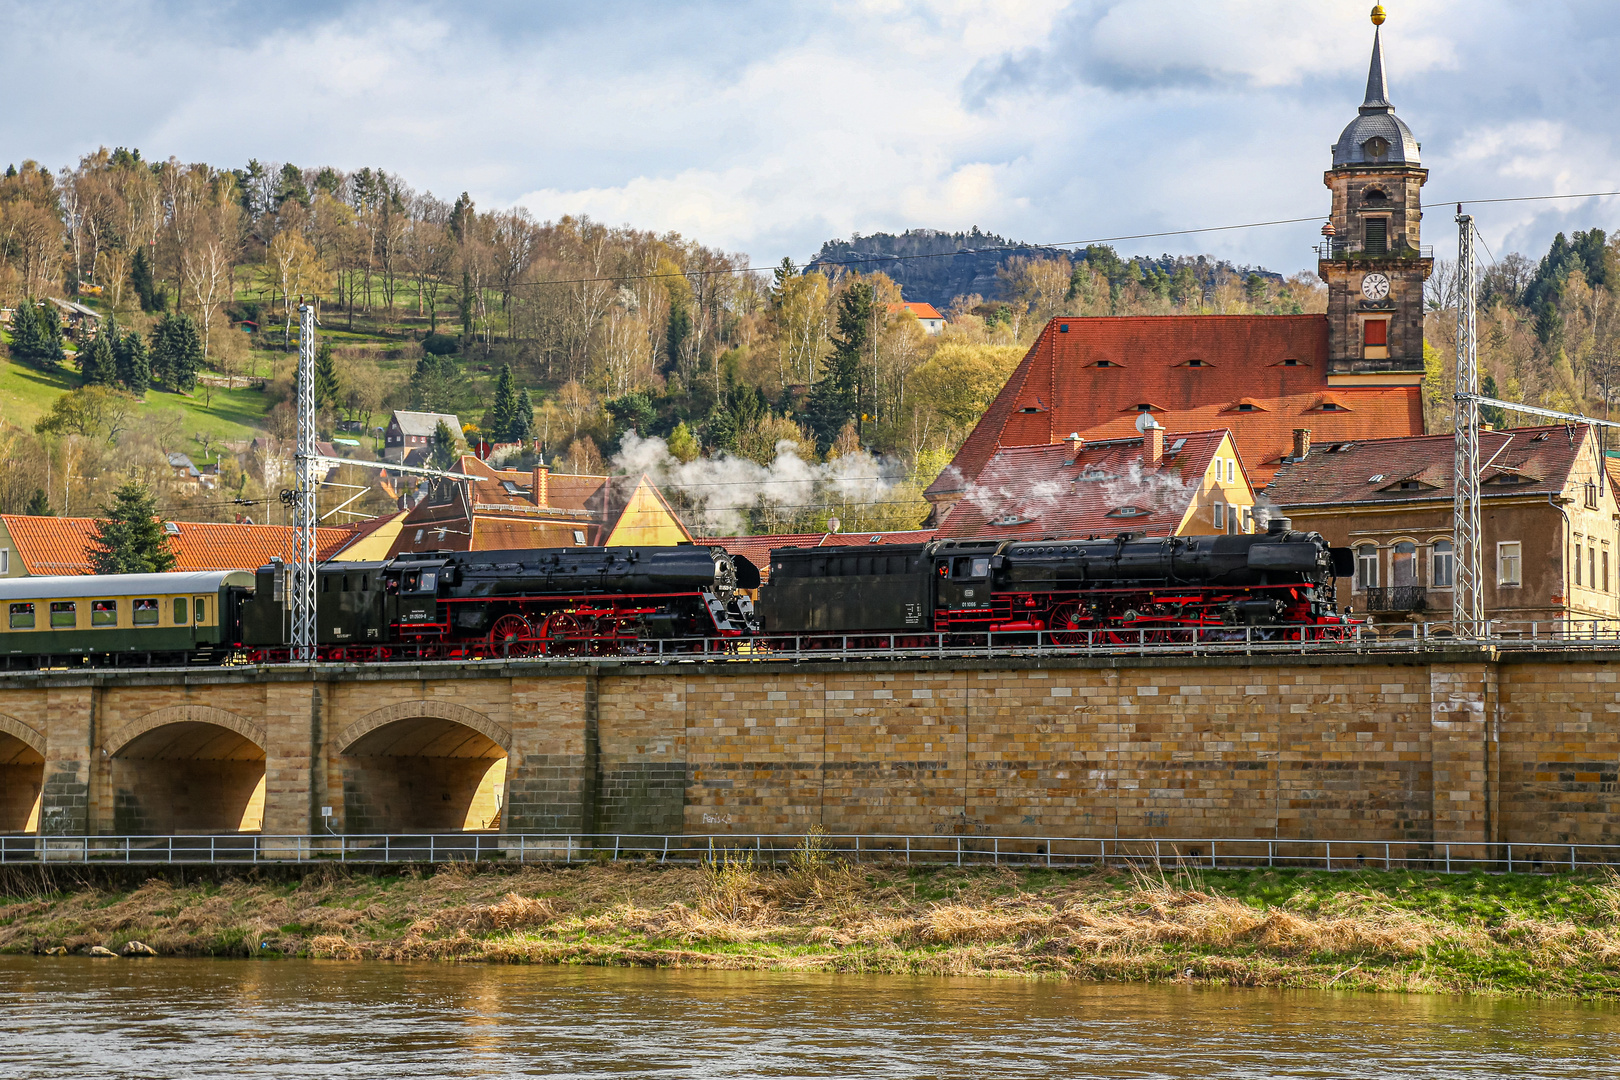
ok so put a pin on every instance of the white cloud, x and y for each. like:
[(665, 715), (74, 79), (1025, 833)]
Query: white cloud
[(770, 128)]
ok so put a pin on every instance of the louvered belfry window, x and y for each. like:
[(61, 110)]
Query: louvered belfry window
[(1377, 234)]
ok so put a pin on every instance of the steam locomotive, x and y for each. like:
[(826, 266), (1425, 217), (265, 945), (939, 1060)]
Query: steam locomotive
[(613, 601)]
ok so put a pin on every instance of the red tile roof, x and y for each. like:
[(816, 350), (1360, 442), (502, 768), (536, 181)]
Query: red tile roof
[(921, 310), (1030, 492), (1371, 471), (1059, 388), (54, 545)]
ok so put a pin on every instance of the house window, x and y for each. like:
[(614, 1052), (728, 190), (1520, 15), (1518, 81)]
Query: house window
[(579, 537), (1231, 470), (1591, 495), (64, 614), (1232, 520), (103, 613), (1508, 563), (1367, 567), (1248, 520), (5, 561), (1377, 236), (1605, 569), (1219, 511), (22, 616), (1591, 567), (1577, 564), (146, 612), (1445, 565), (1376, 332), (1403, 564)]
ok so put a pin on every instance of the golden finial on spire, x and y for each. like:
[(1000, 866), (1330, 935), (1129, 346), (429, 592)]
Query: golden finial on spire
[(1378, 14)]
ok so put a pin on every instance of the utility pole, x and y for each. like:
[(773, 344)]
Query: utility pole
[(1468, 592), (302, 603)]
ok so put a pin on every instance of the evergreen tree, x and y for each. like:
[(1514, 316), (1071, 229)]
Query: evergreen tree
[(443, 455), (128, 537), (290, 186), (97, 365), (523, 426), (140, 280), (835, 399), (176, 352), (676, 331), (436, 384), (503, 414), (134, 363), (50, 325), (28, 339), (780, 277), (39, 504), (327, 385), (1494, 415)]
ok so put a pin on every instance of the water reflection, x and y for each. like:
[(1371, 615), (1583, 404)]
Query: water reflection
[(74, 1017)]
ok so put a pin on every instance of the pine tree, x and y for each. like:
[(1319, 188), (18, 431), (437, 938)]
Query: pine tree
[(39, 504), (523, 423), (443, 454), (28, 342), (140, 280), (503, 413), (676, 331), (134, 363), (50, 325), (176, 352), (327, 385), (836, 397), (128, 537), (97, 365), (436, 384)]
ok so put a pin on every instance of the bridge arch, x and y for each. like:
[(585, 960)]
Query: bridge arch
[(22, 775), (423, 766), (187, 769)]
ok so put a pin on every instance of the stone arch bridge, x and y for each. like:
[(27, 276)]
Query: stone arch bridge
[(1467, 746)]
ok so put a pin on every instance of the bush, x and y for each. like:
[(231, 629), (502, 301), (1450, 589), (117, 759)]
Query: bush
[(440, 344)]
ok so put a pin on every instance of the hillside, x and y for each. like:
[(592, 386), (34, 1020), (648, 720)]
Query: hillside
[(936, 267)]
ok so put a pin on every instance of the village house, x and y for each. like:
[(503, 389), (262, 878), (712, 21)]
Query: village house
[(1354, 372), (501, 508), (927, 314), (409, 431), (1548, 516)]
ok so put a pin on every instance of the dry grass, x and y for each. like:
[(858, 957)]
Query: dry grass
[(1367, 931)]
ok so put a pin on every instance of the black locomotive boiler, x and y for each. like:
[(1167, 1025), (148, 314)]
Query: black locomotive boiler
[(1127, 587), (511, 603)]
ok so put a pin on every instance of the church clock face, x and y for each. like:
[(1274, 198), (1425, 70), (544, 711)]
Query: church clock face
[(1375, 286)]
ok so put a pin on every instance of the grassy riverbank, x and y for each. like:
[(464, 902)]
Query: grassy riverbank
[(1514, 934)]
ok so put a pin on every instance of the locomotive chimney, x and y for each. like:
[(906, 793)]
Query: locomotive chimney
[(542, 495), (1302, 443), (1153, 446)]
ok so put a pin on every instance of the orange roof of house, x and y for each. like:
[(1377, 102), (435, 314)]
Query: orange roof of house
[(919, 309), (1063, 385), (1032, 492), (54, 545)]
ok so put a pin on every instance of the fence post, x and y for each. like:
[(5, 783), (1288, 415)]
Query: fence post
[(995, 851), (1386, 856), (958, 851), (616, 838), (1329, 854), (1510, 858), (430, 848), (1572, 856), (665, 856), (1448, 858), (1212, 854), (908, 851)]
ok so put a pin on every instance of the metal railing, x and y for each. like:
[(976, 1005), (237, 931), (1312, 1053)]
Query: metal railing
[(778, 849), (1414, 598), (1344, 249), (1139, 640)]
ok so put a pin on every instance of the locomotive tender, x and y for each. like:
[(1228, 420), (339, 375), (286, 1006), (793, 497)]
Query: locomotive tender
[(690, 598)]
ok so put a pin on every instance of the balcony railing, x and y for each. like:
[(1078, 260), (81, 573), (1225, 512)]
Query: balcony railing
[(1398, 598), (1345, 250)]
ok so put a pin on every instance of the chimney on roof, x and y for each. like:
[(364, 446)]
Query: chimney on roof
[(1153, 446), (1075, 442), (1302, 443), (541, 490)]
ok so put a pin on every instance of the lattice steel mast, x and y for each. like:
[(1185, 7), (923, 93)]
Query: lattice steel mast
[(1468, 592), (302, 603)]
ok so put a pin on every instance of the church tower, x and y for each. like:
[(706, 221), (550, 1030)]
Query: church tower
[(1371, 257)]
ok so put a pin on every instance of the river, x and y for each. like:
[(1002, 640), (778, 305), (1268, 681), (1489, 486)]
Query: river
[(77, 1017)]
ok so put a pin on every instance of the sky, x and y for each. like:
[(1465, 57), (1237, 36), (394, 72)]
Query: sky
[(769, 127)]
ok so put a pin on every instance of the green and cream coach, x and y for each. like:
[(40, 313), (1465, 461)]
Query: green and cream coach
[(140, 618)]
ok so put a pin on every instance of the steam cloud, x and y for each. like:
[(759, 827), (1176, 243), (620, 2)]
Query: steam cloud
[(722, 489)]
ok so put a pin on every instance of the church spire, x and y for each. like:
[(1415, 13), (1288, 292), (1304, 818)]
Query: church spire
[(1377, 86)]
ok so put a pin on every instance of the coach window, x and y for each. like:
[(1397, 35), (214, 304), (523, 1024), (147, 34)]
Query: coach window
[(64, 614), (1444, 568), (199, 609), (1367, 566), (1403, 564), (146, 612), (180, 611), (103, 613), (22, 616)]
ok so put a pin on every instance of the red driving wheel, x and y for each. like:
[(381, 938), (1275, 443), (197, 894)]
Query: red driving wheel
[(565, 635), (512, 636)]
